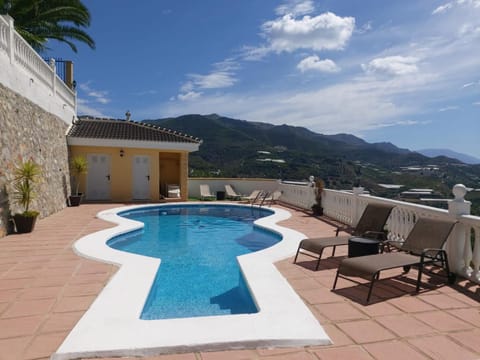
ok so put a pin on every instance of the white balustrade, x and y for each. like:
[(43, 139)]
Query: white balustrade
[(41, 83), (301, 196)]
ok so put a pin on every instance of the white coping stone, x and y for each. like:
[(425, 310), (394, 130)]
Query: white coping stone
[(112, 325)]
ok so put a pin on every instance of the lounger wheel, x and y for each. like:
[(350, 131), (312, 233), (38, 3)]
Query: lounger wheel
[(451, 278), (406, 268)]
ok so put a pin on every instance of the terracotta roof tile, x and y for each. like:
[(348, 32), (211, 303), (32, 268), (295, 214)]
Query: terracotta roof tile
[(98, 128)]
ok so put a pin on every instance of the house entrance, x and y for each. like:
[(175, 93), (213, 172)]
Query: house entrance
[(98, 177), (141, 177)]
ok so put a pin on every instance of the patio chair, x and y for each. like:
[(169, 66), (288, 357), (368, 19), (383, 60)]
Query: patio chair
[(370, 225), (230, 193), (253, 197), (422, 246), (270, 198), (205, 193)]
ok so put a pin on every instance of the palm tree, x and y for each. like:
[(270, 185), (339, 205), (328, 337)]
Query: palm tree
[(37, 21)]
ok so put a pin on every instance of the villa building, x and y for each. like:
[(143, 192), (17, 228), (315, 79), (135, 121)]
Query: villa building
[(131, 161)]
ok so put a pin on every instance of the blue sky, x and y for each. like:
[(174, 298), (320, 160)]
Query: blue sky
[(403, 71)]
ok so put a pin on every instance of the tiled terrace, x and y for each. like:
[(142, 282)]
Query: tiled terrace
[(45, 288)]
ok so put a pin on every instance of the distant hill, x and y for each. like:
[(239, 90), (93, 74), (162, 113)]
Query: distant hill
[(467, 159), (233, 146)]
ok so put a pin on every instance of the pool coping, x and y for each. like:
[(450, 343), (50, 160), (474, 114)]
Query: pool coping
[(112, 325)]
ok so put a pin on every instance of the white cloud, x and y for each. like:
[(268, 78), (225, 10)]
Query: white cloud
[(452, 4), (223, 76), (98, 95), (314, 63), (84, 108), (296, 8), (191, 95), (323, 32), (476, 103), (443, 8), (392, 65), (448, 108)]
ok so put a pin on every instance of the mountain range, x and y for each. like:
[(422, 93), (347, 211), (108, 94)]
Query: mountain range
[(467, 159), (240, 148)]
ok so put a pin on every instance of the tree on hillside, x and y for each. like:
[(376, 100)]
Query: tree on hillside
[(40, 20)]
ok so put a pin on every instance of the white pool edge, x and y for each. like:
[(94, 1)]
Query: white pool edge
[(112, 325)]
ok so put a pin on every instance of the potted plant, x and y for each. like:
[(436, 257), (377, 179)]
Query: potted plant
[(78, 167), (317, 207), (26, 175)]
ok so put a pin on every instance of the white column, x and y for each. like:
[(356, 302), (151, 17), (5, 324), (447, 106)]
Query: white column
[(11, 38), (458, 245), (357, 191), (51, 62)]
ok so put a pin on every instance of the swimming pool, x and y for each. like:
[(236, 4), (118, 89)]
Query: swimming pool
[(198, 245), (112, 325)]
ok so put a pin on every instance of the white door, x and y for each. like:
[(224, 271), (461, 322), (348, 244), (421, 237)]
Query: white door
[(98, 177), (141, 177)]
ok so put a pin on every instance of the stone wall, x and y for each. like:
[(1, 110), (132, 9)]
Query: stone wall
[(29, 132)]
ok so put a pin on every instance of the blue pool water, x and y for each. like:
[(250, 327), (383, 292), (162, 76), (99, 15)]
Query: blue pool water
[(198, 245)]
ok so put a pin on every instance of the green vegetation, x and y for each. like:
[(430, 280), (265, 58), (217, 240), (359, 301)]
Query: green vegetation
[(236, 148), (26, 175), (78, 167), (37, 21)]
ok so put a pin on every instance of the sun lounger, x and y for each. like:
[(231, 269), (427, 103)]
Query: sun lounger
[(423, 246), (370, 225), (230, 193), (205, 193)]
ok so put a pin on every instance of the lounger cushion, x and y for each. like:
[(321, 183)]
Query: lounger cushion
[(317, 245), (369, 265)]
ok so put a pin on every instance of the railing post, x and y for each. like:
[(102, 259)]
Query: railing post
[(69, 74), (358, 190), (51, 62), (458, 246), (11, 38)]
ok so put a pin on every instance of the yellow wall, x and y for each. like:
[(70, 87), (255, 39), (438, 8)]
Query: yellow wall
[(121, 179)]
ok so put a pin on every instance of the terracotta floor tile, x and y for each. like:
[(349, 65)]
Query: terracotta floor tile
[(12, 349), (338, 337), (61, 321), (469, 315), (411, 304), (306, 283), (442, 348), (468, 339), (443, 321), (9, 295), (8, 284), (405, 325), (364, 331), (318, 295), (74, 303), (231, 355), (190, 356), (83, 289), (379, 309), (29, 307), (393, 350), (344, 353), (301, 355), (49, 281), (341, 311), (469, 299), (44, 345), (41, 293), (19, 326), (278, 351), (443, 301)]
